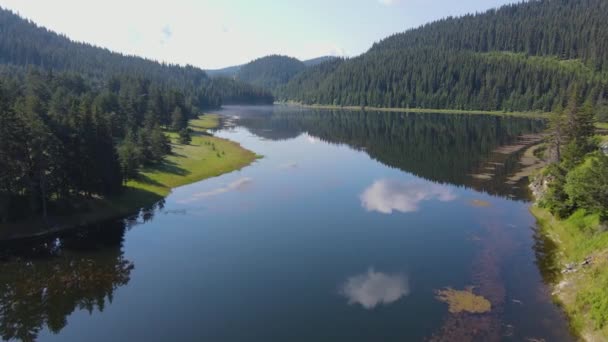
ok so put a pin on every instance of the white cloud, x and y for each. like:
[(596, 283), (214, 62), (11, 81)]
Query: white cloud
[(386, 196), (167, 34), (241, 184), (372, 288)]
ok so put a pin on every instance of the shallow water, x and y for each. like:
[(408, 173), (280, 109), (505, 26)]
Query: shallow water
[(344, 231)]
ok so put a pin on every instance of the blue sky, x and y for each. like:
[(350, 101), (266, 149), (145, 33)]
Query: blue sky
[(218, 33)]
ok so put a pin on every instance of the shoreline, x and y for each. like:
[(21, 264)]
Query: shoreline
[(573, 260), (571, 273), (205, 157), (533, 115)]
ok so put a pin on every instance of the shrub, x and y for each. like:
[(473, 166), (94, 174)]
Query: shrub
[(556, 200), (587, 185)]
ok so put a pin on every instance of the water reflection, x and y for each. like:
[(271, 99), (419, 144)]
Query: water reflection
[(43, 281), (287, 166), (438, 147), (240, 184), (386, 196), (373, 288)]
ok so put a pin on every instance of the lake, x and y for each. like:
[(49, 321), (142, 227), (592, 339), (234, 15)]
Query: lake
[(348, 229)]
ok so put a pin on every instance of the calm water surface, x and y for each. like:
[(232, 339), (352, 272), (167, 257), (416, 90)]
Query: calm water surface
[(344, 231)]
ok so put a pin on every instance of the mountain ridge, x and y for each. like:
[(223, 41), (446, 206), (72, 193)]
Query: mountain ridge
[(526, 56)]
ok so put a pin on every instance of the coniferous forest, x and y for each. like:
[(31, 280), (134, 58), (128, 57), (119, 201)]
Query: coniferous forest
[(78, 121), (271, 71), (520, 57), (447, 183)]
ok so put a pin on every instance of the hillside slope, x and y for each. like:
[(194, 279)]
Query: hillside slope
[(23, 44), (520, 57), (318, 60), (270, 71)]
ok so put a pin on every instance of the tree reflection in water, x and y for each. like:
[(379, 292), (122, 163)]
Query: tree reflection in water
[(43, 281), (443, 148)]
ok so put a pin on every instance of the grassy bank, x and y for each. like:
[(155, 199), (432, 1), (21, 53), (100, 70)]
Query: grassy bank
[(540, 115), (575, 260), (205, 157)]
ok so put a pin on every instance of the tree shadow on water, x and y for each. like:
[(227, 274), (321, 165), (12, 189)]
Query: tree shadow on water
[(546, 251)]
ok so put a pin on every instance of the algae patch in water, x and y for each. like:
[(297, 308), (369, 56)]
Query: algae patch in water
[(464, 301), (480, 203)]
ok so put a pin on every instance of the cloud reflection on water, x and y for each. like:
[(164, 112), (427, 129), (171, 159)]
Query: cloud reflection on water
[(287, 166), (386, 196), (240, 184), (373, 288)]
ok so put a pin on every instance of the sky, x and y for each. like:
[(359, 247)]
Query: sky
[(217, 33)]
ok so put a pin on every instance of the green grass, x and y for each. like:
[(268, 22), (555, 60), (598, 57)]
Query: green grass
[(576, 66), (602, 126), (577, 236), (585, 298), (425, 110), (205, 157)]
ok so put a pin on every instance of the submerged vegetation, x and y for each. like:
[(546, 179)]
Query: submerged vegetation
[(464, 301)]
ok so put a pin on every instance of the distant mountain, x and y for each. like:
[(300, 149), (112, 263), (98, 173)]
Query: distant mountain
[(271, 71), (319, 60), (229, 72), (24, 44), (527, 56), (78, 121)]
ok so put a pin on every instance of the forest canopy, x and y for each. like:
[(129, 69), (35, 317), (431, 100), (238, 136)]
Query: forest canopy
[(77, 121), (521, 57)]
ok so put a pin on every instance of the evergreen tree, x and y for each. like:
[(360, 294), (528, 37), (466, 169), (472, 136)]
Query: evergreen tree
[(520, 57), (178, 120), (130, 156), (185, 136)]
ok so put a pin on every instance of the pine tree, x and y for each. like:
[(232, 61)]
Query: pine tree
[(178, 120), (184, 136)]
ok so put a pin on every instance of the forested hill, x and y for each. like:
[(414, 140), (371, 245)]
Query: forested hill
[(228, 72), (318, 60), (526, 56), (24, 44), (77, 121), (568, 29), (270, 71)]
